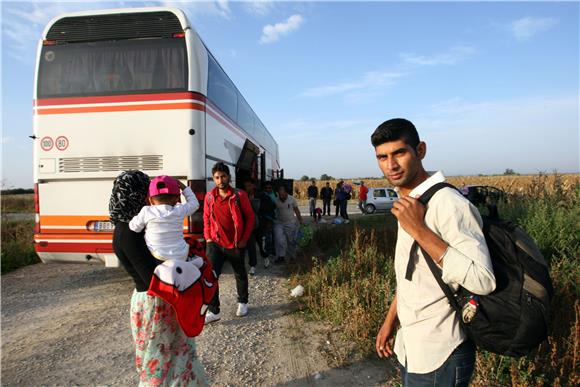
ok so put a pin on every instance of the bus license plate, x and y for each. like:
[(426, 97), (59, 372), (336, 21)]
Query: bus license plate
[(104, 226)]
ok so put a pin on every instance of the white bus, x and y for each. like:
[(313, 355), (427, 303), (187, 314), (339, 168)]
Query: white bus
[(131, 89)]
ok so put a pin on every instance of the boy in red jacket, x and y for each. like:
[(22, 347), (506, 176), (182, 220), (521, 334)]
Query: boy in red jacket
[(228, 220)]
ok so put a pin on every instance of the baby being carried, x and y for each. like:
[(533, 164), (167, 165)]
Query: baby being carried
[(163, 219)]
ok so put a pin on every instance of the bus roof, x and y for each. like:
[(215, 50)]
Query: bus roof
[(178, 13)]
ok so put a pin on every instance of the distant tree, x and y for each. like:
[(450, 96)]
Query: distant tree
[(17, 191), (324, 176), (304, 178), (509, 172)]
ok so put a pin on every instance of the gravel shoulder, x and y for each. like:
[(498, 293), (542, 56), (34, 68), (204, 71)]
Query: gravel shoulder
[(68, 324)]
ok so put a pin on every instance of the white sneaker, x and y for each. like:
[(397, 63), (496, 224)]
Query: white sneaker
[(212, 317), (242, 310), (252, 270), (266, 262)]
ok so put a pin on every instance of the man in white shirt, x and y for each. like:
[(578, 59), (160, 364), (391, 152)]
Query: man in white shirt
[(286, 224), (430, 345)]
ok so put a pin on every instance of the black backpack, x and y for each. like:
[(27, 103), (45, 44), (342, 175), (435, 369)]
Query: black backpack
[(512, 320)]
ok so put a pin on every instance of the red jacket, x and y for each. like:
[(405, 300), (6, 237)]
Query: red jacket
[(363, 193), (242, 214)]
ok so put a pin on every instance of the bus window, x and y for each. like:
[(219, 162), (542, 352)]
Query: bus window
[(113, 67), (221, 90)]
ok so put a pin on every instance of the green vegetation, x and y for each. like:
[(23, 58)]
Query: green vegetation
[(17, 245), (349, 280), (17, 203)]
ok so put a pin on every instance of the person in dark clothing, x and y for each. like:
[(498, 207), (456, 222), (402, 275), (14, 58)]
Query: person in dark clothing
[(342, 198), (250, 188), (326, 196), (336, 201), (312, 196), (150, 332), (267, 216)]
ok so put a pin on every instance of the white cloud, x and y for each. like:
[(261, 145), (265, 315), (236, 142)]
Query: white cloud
[(6, 140), (259, 7), (23, 23), (371, 80), (272, 32), (525, 28), (193, 9), (452, 56)]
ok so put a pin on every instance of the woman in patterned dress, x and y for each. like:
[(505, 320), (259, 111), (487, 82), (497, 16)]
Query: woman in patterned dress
[(164, 355)]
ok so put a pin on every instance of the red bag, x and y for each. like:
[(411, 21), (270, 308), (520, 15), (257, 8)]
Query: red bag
[(188, 287)]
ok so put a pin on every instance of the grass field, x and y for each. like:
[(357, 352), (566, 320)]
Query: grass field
[(349, 279), (17, 203)]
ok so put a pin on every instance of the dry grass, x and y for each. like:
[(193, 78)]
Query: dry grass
[(17, 245), (348, 275), (23, 203)]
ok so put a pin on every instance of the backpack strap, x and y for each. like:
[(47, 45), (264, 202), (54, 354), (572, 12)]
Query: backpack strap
[(435, 270), (424, 198)]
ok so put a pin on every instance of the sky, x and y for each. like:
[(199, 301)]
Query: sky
[(489, 85)]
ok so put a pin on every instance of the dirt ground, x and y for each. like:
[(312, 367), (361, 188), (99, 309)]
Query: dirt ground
[(68, 324)]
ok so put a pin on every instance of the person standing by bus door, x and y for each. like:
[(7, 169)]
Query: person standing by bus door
[(362, 197), (250, 188), (228, 221), (312, 196)]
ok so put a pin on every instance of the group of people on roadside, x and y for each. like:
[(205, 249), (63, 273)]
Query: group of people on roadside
[(339, 197), (420, 327)]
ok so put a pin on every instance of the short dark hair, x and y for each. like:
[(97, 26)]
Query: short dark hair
[(396, 129), (220, 167), (167, 199)]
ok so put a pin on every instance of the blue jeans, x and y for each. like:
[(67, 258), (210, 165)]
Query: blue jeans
[(456, 371)]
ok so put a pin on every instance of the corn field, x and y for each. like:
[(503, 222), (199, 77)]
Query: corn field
[(512, 184)]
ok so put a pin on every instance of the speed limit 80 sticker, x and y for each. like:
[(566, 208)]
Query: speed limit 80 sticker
[(61, 143), (47, 143)]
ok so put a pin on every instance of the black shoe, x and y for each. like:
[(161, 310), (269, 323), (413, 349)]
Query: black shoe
[(279, 260)]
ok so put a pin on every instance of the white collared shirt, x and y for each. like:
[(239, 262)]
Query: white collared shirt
[(430, 331), (164, 227)]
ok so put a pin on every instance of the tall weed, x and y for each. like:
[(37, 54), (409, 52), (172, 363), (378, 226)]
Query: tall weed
[(17, 245)]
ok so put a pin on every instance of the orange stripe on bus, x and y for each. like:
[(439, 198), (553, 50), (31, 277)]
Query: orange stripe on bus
[(123, 108), (69, 220), (65, 236)]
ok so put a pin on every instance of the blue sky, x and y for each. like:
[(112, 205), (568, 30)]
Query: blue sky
[(489, 85)]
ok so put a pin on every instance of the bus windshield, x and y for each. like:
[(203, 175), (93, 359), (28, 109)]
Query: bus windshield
[(112, 68)]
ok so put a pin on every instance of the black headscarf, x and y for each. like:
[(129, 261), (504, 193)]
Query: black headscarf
[(128, 196)]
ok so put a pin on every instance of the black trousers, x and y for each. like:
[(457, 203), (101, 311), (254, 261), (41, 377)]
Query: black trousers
[(326, 206), (218, 255), (251, 249)]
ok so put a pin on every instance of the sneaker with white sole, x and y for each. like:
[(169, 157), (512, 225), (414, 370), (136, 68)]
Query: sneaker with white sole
[(252, 270), (212, 317), (242, 310)]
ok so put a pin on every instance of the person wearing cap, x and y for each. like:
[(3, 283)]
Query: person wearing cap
[(163, 219)]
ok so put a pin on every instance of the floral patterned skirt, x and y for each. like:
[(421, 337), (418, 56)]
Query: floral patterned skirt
[(164, 355)]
